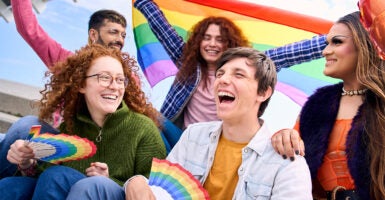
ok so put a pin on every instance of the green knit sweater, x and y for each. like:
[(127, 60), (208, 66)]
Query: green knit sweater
[(129, 142)]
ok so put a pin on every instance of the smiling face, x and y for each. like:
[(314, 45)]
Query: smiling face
[(211, 47), (110, 34), (341, 54), (102, 100), (236, 89)]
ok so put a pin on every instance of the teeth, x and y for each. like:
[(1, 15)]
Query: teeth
[(113, 97), (212, 51), (222, 94)]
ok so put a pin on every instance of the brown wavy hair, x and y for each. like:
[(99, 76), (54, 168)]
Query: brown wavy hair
[(371, 73), (230, 33), (66, 78)]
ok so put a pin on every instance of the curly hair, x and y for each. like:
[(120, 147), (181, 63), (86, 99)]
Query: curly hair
[(67, 77), (231, 35), (371, 73)]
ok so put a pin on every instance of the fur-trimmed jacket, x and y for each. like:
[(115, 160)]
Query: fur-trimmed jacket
[(317, 119)]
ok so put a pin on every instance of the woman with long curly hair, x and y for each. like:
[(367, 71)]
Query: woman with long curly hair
[(190, 98), (100, 101), (342, 126)]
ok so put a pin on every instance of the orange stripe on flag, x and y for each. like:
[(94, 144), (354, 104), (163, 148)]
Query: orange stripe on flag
[(271, 14)]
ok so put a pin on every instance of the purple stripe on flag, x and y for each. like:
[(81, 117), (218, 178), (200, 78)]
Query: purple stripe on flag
[(160, 70), (293, 93)]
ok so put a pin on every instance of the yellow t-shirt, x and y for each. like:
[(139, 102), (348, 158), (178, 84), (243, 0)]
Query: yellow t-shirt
[(223, 176)]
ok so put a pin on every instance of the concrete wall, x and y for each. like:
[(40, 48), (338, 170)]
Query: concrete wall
[(16, 100)]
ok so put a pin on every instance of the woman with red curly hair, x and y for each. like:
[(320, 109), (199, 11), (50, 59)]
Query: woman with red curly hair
[(100, 101)]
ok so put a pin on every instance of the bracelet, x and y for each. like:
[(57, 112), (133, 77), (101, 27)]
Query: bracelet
[(29, 171)]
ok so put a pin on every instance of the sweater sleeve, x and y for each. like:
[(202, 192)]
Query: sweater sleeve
[(49, 51), (297, 52), (166, 34), (150, 146)]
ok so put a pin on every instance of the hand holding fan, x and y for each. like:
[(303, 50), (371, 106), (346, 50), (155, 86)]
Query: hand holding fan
[(56, 148), (171, 181)]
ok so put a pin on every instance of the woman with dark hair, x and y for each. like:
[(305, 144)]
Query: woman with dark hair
[(100, 101), (342, 126)]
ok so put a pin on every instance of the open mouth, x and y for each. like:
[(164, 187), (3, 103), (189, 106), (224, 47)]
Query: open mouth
[(225, 97), (212, 52), (110, 97)]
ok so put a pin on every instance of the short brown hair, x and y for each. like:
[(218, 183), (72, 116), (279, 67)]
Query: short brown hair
[(265, 73)]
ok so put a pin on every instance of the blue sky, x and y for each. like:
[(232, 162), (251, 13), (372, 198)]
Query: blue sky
[(64, 20)]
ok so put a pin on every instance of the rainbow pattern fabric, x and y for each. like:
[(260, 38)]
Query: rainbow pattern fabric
[(58, 148), (266, 27), (171, 181)]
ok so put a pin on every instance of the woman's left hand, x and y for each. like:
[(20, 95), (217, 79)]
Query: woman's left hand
[(97, 169)]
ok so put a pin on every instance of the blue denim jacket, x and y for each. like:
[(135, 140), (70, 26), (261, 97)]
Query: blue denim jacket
[(180, 93), (263, 174)]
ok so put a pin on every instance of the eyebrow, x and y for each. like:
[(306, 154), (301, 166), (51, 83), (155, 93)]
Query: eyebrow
[(344, 36)]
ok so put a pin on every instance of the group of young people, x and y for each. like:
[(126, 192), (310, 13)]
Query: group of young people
[(219, 94)]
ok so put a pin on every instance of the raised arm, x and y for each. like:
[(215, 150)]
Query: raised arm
[(166, 34), (49, 51), (297, 52)]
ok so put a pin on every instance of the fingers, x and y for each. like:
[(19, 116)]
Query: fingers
[(287, 143), (276, 141), (97, 169), (302, 148), (19, 153)]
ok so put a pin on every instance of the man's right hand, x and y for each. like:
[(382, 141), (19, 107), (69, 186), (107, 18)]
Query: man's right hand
[(138, 189)]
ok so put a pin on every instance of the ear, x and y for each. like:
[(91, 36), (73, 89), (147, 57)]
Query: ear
[(93, 35), (265, 95), (82, 90)]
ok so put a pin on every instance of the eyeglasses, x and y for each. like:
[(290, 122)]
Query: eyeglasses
[(106, 80)]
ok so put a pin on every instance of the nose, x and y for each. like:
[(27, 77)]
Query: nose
[(120, 39), (327, 50), (212, 42), (225, 79)]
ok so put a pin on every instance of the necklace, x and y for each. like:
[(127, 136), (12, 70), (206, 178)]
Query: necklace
[(353, 92)]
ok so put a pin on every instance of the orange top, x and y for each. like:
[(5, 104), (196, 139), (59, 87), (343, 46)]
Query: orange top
[(334, 169)]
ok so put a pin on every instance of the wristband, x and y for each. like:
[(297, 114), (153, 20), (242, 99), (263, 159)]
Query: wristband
[(29, 171)]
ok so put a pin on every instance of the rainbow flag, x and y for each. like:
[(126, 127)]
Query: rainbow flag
[(266, 27)]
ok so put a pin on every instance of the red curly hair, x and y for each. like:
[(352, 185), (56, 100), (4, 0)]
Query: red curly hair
[(66, 79)]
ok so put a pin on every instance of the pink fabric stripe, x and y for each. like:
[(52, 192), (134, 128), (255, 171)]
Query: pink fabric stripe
[(160, 70), (293, 93)]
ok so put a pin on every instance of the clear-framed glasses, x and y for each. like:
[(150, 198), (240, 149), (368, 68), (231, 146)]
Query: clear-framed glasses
[(106, 80)]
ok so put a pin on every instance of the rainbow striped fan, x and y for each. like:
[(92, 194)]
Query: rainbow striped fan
[(57, 148), (171, 181)]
